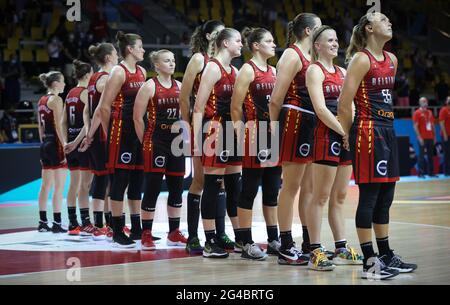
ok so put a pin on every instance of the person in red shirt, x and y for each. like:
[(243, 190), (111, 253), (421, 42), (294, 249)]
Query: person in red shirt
[(424, 128), (444, 121)]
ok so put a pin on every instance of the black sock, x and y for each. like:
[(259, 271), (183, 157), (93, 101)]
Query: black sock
[(246, 236), (210, 235), (313, 247), (57, 217), (43, 216), (117, 225), (238, 235), (383, 246), (305, 235), (193, 214), (174, 223), (72, 212), (85, 219), (220, 215), (122, 220), (147, 224), (136, 223), (98, 219), (286, 239), (340, 244), (108, 218), (272, 233), (367, 250)]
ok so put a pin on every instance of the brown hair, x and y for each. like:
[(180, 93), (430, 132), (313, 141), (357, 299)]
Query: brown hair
[(100, 51), (199, 42), (47, 79), (315, 37), (299, 24), (253, 35), (81, 69), (359, 38), (125, 40), (221, 36)]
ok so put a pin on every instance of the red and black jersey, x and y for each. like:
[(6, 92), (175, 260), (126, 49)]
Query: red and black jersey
[(219, 101), (122, 107), (198, 78), (94, 95), (74, 112), (297, 94), (256, 104), (373, 101), (164, 107), (332, 86), (46, 116)]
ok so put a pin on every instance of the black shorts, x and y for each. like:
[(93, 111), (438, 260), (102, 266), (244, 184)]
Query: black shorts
[(374, 153), (78, 160), (124, 148), (328, 148), (158, 157), (52, 154)]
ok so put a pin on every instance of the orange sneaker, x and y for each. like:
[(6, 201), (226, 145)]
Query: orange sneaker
[(109, 234), (147, 241), (87, 230), (75, 231), (176, 238), (100, 233)]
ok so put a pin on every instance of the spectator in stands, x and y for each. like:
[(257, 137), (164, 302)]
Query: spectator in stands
[(424, 128), (442, 90), (8, 126), (99, 27), (11, 75), (402, 90), (444, 121), (54, 49)]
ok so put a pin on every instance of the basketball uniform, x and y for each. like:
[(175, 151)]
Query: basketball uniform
[(163, 111), (97, 150), (74, 112), (217, 112), (297, 119), (51, 151), (124, 148), (372, 139), (328, 148)]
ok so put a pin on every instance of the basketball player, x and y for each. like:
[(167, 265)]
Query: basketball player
[(212, 107), (50, 112), (158, 100), (124, 149), (105, 55), (202, 46), (254, 84), (78, 162), (290, 97), (369, 82), (331, 170)]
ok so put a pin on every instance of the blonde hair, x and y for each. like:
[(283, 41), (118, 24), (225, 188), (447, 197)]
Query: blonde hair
[(221, 36), (47, 79), (154, 56), (315, 37)]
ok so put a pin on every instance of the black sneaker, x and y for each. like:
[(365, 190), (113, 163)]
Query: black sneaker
[(43, 227), (122, 241), (137, 235), (213, 250), (225, 242), (305, 248), (292, 256), (273, 247), (56, 228), (396, 263), (377, 270)]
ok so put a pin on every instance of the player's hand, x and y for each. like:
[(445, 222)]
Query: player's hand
[(68, 148), (85, 144), (345, 143)]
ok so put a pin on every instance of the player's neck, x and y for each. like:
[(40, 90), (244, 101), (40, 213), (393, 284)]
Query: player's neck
[(224, 58), (107, 68), (130, 63), (327, 62), (83, 83), (164, 79), (375, 47), (260, 61), (304, 45)]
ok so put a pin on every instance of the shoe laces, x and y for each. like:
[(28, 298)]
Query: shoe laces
[(353, 253), (319, 257), (224, 237)]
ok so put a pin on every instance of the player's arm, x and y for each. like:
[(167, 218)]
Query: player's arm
[(145, 93), (194, 67)]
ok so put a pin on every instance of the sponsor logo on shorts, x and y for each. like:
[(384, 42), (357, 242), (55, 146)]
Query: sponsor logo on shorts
[(160, 161), (224, 155), (382, 167), (304, 149), (263, 155), (126, 157), (336, 148)]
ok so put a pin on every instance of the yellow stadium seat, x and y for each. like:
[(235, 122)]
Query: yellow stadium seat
[(13, 43), (26, 55), (37, 33), (42, 55), (7, 54)]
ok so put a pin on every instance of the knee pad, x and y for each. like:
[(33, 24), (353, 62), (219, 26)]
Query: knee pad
[(175, 187), (135, 185), (233, 188), (209, 196), (99, 185), (384, 202), (221, 209), (271, 186), (250, 183), (368, 195), (119, 182), (152, 190)]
